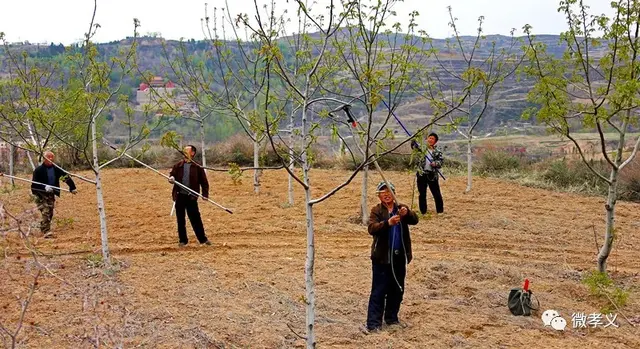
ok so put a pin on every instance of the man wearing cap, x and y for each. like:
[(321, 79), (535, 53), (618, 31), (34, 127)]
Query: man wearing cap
[(390, 253), (192, 176), (431, 160)]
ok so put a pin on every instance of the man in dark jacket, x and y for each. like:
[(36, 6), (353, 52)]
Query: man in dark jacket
[(431, 160), (192, 176), (45, 195), (390, 254)]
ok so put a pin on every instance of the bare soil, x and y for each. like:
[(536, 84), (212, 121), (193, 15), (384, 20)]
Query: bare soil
[(247, 289)]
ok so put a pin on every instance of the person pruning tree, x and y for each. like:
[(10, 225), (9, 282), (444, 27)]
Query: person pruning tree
[(46, 189), (431, 160), (390, 254), (192, 176)]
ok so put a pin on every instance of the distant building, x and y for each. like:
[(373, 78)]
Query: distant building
[(157, 88)]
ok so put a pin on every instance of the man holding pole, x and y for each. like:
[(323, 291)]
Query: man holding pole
[(46, 189), (428, 171), (192, 176), (390, 253)]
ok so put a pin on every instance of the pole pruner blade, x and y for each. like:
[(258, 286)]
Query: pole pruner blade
[(350, 118)]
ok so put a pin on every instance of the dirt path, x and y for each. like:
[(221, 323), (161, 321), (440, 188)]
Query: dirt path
[(248, 287)]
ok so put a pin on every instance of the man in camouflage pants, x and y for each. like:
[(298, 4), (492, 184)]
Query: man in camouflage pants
[(45, 195)]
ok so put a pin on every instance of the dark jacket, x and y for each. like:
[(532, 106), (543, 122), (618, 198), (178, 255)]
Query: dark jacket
[(40, 175), (380, 229), (197, 179)]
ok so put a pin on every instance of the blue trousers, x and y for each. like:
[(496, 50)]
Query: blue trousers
[(386, 292)]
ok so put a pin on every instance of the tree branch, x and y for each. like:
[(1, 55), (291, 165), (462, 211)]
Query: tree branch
[(634, 152)]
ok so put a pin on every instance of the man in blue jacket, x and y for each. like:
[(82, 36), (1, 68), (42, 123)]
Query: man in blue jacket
[(45, 195), (390, 254)]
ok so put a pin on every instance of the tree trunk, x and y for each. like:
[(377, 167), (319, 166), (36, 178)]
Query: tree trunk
[(35, 144), (612, 195), (202, 144), (33, 165), (291, 163), (291, 167), (309, 266), (364, 212), (106, 256), (12, 155), (256, 164), (256, 155), (469, 164)]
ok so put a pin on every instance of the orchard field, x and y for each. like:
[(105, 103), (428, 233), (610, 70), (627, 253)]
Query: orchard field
[(247, 289)]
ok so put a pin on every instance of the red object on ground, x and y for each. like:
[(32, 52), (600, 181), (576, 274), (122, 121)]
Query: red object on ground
[(526, 285)]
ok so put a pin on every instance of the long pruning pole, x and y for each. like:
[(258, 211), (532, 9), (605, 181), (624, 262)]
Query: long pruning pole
[(354, 123), (73, 174), (67, 172), (409, 134), (26, 180), (241, 169), (167, 177)]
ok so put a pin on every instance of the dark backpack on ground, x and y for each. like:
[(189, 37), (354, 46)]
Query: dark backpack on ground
[(520, 301)]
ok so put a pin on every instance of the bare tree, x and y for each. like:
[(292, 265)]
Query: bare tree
[(27, 115), (227, 80), (193, 98), (10, 333), (77, 104), (101, 324), (472, 71), (312, 86), (199, 99), (594, 85), (379, 61)]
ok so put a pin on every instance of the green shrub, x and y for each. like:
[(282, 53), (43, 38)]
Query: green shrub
[(454, 165), (392, 162), (237, 149), (629, 186), (397, 162), (600, 285), (630, 189), (576, 173), (493, 162)]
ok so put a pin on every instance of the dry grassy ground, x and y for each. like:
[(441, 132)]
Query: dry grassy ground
[(245, 289)]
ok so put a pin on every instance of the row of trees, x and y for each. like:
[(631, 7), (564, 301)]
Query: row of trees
[(62, 105), (348, 57)]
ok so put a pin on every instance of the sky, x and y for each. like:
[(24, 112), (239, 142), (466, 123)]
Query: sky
[(66, 21)]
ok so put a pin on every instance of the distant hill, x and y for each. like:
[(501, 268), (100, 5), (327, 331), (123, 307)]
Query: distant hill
[(508, 101)]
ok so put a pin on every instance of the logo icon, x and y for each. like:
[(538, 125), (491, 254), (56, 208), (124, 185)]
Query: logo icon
[(558, 323), (552, 318), (548, 315)]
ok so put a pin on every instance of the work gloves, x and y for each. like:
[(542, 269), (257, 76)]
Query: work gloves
[(48, 189), (172, 180)]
